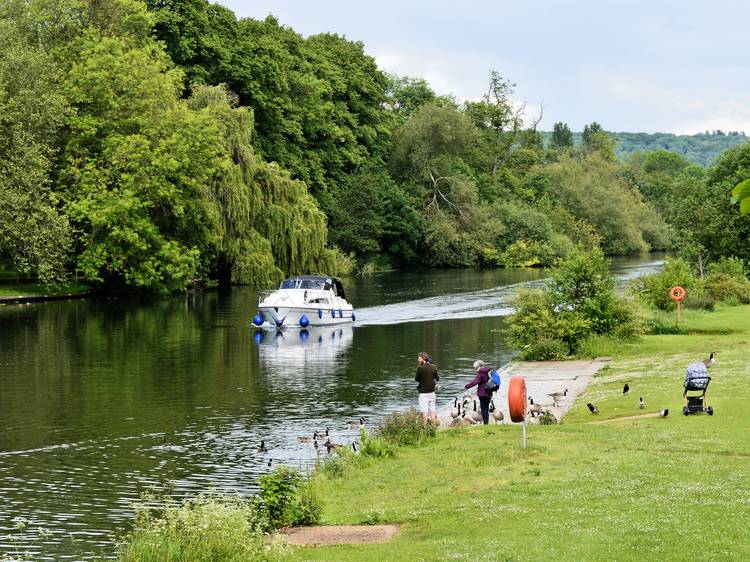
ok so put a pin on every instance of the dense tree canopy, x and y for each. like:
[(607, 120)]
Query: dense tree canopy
[(160, 143)]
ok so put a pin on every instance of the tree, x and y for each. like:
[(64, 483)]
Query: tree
[(595, 139), (34, 235), (562, 137)]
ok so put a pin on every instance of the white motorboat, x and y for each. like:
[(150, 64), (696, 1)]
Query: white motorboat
[(306, 300)]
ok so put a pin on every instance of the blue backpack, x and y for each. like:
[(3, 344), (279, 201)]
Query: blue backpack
[(493, 383)]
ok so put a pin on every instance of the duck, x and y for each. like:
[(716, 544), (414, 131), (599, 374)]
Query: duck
[(356, 424), (455, 411), (557, 396), (477, 416), (262, 448), (625, 389), (593, 409), (641, 403), (664, 413), (534, 408)]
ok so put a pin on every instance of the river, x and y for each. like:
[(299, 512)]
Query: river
[(90, 388)]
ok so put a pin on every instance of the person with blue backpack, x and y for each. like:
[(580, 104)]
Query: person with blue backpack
[(487, 381)]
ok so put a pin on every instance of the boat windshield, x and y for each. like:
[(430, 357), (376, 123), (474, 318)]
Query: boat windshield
[(298, 283)]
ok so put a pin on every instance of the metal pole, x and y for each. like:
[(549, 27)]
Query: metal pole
[(523, 424)]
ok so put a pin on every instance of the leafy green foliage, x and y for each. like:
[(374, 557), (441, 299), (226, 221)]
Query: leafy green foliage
[(405, 428), (34, 236), (579, 300), (288, 499), (204, 529), (654, 289)]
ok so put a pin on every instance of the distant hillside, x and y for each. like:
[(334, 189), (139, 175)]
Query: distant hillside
[(701, 149)]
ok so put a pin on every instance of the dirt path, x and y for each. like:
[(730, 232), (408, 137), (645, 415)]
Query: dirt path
[(542, 379), (625, 418), (338, 534)]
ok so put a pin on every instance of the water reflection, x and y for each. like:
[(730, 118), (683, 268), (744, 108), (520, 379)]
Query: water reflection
[(90, 389)]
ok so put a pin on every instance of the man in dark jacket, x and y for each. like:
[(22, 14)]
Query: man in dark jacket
[(426, 376), (481, 378)]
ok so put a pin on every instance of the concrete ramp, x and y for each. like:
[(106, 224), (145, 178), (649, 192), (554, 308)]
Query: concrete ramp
[(543, 378)]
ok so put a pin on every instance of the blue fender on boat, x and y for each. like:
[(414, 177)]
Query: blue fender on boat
[(258, 319), (320, 313), (304, 321), (354, 318)]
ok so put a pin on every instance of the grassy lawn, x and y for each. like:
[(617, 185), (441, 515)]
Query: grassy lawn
[(33, 289), (673, 488)]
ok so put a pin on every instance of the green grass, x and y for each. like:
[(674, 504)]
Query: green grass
[(34, 289), (670, 488)]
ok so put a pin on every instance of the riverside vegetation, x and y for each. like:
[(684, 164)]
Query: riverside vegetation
[(624, 490), (154, 146)]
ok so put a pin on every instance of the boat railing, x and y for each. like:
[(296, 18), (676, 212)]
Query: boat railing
[(309, 294)]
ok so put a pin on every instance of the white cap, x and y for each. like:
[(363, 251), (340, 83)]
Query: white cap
[(478, 363)]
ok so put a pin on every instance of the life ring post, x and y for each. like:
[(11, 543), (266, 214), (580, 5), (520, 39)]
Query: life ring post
[(677, 293), (517, 402)]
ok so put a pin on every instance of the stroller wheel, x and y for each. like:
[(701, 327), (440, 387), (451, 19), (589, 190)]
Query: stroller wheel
[(710, 410), (686, 410)]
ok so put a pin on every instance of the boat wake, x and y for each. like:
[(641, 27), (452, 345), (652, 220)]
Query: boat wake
[(475, 304)]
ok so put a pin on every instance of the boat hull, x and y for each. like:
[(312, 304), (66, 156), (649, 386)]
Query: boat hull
[(281, 317)]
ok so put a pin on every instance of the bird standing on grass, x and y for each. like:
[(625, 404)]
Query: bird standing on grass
[(455, 412), (625, 389), (593, 409), (663, 413), (641, 403)]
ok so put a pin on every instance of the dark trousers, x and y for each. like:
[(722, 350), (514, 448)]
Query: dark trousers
[(484, 406)]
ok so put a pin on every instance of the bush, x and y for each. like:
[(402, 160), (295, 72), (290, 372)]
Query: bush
[(653, 290), (287, 499), (405, 428), (723, 287), (579, 301), (204, 529), (732, 267)]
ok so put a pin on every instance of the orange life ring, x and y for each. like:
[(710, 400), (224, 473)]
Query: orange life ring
[(517, 398), (677, 293)]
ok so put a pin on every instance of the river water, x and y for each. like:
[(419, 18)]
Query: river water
[(90, 388)]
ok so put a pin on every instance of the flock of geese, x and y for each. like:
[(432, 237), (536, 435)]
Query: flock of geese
[(463, 416), (641, 404)]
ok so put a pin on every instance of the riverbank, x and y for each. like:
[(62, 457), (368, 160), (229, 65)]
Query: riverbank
[(644, 488), (32, 292)]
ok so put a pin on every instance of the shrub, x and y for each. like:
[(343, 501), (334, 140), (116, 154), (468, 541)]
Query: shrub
[(580, 300), (723, 287), (287, 499), (731, 266), (405, 428), (654, 289), (204, 529)]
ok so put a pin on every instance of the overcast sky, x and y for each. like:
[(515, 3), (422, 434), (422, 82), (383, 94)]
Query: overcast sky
[(640, 65)]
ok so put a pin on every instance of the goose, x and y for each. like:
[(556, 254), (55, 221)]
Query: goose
[(641, 403), (534, 408), (331, 446), (625, 389), (477, 416), (497, 414), (307, 438), (269, 462), (593, 409), (663, 413), (320, 434), (355, 447), (455, 411), (466, 420), (356, 424), (262, 448), (557, 396)]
